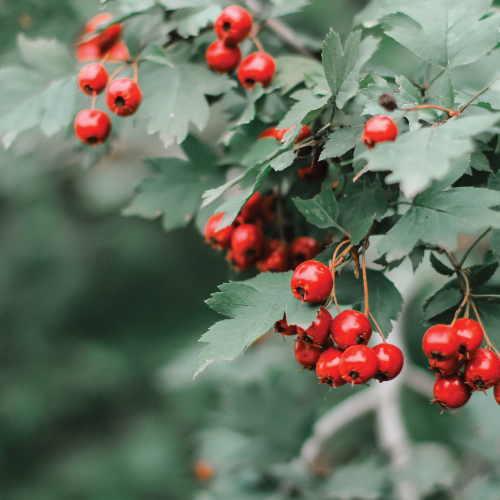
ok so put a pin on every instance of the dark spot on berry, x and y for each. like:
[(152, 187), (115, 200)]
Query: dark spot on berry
[(300, 257), (278, 328), (308, 340), (480, 385), (88, 89), (250, 82), (92, 140), (360, 340), (354, 375), (213, 241), (226, 26), (381, 376), (437, 356), (251, 253), (300, 291), (120, 102), (462, 350)]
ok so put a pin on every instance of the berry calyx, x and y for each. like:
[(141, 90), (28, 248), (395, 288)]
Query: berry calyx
[(312, 282), (279, 133), (247, 241), (251, 209), (233, 25), (239, 262), (319, 330), (350, 328), (93, 79), (482, 371), (470, 336), (220, 239), (275, 257), (451, 392), (258, 67), (358, 364), (223, 58), (440, 342), (446, 367), (390, 361), (307, 355), (304, 248), (92, 126), (328, 367), (313, 172), (284, 328), (379, 129), (123, 96)]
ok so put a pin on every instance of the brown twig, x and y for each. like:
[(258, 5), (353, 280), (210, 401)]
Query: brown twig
[(378, 327), (489, 345), (365, 282)]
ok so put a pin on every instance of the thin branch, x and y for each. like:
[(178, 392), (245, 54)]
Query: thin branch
[(475, 96), (466, 297), (461, 263), (488, 341), (378, 327), (365, 282)]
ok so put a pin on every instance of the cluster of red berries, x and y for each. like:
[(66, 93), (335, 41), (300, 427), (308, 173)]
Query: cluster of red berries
[(233, 25), (449, 348), (123, 95)]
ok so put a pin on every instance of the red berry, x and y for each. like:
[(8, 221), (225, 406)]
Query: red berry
[(88, 51), (275, 257), (223, 58), (284, 328), (92, 126), (312, 282), (470, 336), (390, 361), (247, 241), (304, 248), (258, 67), (328, 367), (307, 355), (358, 364), (239, 262), (119, 52), (233, 25), (451, 392), (313, 172), (440, 342), (93, 79), (109, 36), (447, 367), (278, 133), (496, 393), (319, 330), (482, 371), (220, 239), (350, 328), (268, 208), (123, 96), (251, 209), (379, 129)]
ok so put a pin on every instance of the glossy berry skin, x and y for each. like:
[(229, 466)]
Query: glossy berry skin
[(307, 355), (119, 52), (284, 328), (447, 367), (279, 133), (440, 342), (312, 282), (304, 248), (275, 257), (482, 371), (251, 209), (451, 392), (123, 96), (350, 328), (239, 262), (319, 330), (496, 393), (223, 58), (109, 36), (390, 361), (258, 67), (328, 367), (92, 126), (358, 364), (220, 239), (470, 336), (93, 79), (313, 172), (379, 129), (233, 25), (247, 241)]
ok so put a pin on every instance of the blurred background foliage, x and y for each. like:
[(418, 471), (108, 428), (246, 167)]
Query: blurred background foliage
[(99, 320)]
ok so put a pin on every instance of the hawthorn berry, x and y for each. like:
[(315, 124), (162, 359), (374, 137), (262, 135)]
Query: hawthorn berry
[(496, 393), (223, 58), (87, 51), (451, 392), (93, 79), (279, 133), (448, 366), (119, 52), (482, 371), (220, 239), (92, 126), (470, 336), (328, 367), (307, 355), (313, 172), (268, 208), (284, 328), (251, 209), (258, 67), (390, 361), (319, 330), (388, 102), (106, 39), (379, 129), (304, 248), (275, 257), (233, 25), (247, 241), (350, 328), (358, 364), (239, 262), (440, 342), (123, 96), (312, 282)]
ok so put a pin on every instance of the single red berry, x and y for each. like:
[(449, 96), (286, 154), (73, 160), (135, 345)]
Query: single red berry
[(221, 238), (350, 328), (275, 257), (92, 79), (239, 262), (106, 39), (118, 53), (496, 393), (470, 336), (379, 129), (307, 355), (123, 96), (451, 392), (440, 342), (279, 133), (328, 367), (223, 58), (313, 172), (482, 371), (284, 328), (358, 364), (258, 67), (312, 282), (319, 330), (88, 51), (247, 241), (447, 367), (304, 248), (390, 361), (233, 25), (92, 126), (251, 209)]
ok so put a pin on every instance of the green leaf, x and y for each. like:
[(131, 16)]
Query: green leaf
[(189, 22), (341, 141), (416, 257), (292, 70), (478, 275), (447, 93), (440, 267), (494, 246), (359, 230), (446, 298), (307, 107), (479, 161), (285, 7)]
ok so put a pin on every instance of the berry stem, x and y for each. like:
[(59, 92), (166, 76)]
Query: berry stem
[(257, 43), (449, 112), (332, 268), (136, 71), (461, 263), (466, 297), (378, 327), (489, 345), (116, 72), (365, 282), (94, 99)]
